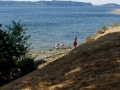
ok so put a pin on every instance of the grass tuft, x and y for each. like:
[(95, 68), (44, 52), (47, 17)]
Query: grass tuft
[(102, 30), (115, 25)]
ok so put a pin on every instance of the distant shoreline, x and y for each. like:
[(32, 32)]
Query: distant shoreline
[(115, 11)]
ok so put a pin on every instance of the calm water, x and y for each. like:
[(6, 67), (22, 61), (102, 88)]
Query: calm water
[(50, 25)]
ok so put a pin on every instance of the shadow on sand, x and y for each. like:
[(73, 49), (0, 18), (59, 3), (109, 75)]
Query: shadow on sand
[(91, 66)]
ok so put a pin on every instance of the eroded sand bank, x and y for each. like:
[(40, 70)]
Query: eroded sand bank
[(115, 11)]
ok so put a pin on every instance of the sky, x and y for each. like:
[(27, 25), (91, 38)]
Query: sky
[(94, 2)]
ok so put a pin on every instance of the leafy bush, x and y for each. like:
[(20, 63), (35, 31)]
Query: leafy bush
[(14, 49), (102, 30), (26, 65)]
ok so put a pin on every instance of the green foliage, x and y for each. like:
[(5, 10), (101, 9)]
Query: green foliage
[(102, 30), (0, 25), (13, 50), (115, 25), (26, 65), (18, 39)]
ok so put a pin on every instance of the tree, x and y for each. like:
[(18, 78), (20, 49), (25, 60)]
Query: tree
[(14, 52)]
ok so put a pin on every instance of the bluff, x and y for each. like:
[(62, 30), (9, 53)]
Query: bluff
[(94, 65)]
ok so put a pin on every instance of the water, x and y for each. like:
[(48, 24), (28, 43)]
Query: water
[(50, 25)]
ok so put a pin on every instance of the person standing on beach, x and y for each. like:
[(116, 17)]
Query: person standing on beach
[(75, 42)]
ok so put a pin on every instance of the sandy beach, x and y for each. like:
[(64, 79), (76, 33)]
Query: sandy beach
[(115, 11)]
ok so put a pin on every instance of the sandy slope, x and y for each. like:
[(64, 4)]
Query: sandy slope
[(111, 30), (91, 66), (115, 11)]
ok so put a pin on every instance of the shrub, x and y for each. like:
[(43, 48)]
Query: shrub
[(115, 25), (14, 49), (26, 65), (102, 30)]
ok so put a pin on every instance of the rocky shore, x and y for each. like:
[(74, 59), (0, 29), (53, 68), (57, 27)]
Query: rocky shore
[(41, 55)]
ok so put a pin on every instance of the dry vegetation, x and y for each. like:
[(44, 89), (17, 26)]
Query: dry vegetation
[(91, 66)]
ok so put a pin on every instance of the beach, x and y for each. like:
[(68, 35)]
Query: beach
[(47, 29), (93, 65), (43, 55), (115, 11)]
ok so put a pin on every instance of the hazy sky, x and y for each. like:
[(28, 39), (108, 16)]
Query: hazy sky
[(94, 2)]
